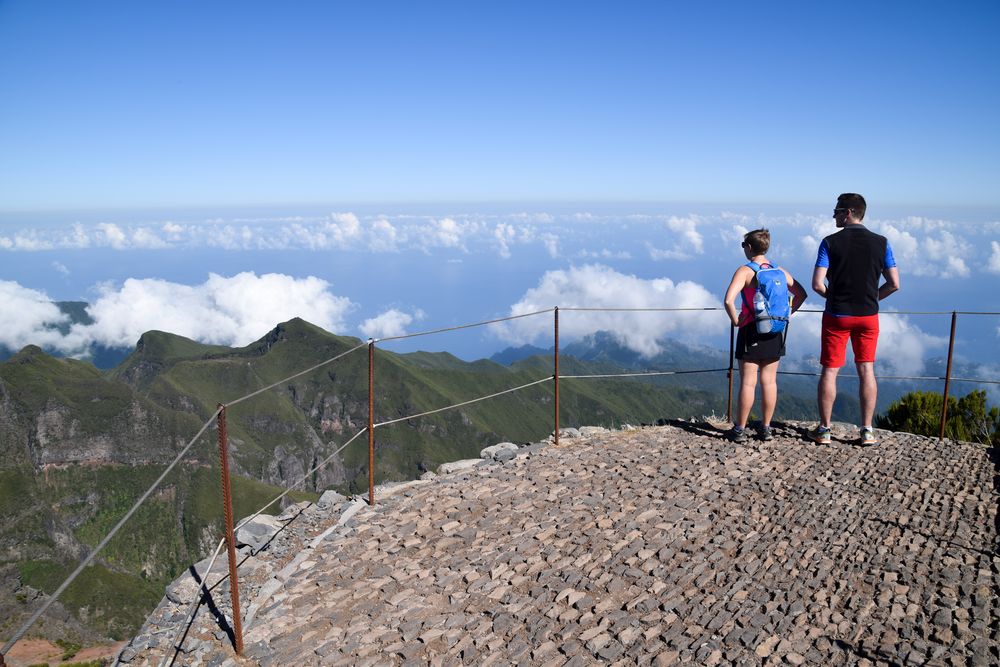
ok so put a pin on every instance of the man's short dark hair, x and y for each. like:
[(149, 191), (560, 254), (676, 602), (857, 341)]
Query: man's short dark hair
[(853, 201)]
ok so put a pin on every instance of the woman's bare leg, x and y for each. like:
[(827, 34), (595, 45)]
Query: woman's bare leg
[(748, 383), (768, 390)]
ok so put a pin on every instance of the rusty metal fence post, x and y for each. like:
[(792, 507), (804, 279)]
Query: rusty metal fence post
[(555, 374), (947, 375), (729, 402), (371, 422), (227, 509)]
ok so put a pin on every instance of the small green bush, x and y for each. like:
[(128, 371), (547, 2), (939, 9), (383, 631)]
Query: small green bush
[(70, 649)]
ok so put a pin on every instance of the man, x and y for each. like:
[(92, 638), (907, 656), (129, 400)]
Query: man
[(848, 267)]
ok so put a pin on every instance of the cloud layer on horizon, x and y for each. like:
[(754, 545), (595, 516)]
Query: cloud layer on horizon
[(927, 247)]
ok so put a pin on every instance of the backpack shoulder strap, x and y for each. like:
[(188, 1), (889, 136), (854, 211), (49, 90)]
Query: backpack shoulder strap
[(754, 266)]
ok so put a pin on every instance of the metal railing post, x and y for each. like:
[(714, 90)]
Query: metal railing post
[(555, 374), (227, 510), (371, 422), (947, 376), (729, 374)]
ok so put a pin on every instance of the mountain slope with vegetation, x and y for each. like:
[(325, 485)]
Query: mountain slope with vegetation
[(79, 445)]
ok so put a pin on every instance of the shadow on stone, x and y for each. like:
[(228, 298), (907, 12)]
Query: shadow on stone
[(878, 657), (935, 538), (697, 428), (994, 454)]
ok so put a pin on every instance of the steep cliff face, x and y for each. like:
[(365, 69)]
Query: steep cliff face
[(62, 412)]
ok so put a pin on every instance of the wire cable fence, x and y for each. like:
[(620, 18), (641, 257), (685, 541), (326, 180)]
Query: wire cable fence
[(220, 415)]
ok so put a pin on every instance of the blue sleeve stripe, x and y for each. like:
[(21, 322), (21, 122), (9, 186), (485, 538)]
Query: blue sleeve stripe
[(890, 261), (823, 257)]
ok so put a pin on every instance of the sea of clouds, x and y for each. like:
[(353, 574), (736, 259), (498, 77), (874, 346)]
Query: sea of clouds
[(588, 256)]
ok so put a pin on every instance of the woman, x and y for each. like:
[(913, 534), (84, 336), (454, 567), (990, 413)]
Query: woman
[(758, 354)]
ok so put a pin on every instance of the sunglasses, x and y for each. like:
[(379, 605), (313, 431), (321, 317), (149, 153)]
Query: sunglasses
[(839, 209)]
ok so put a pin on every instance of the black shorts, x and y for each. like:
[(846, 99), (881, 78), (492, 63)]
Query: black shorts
[(752, 346)]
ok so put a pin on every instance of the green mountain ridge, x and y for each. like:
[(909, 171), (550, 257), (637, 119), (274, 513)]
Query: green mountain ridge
[(80, 445)]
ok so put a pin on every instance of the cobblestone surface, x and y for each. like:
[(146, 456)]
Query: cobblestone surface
[(663, 545)]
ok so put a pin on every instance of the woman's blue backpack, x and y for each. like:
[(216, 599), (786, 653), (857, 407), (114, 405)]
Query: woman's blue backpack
[(773, 305)]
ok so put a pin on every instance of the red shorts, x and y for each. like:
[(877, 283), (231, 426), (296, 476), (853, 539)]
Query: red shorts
[(863, 332)]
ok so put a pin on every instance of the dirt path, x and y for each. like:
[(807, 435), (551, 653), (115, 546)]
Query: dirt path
[(36, 651)]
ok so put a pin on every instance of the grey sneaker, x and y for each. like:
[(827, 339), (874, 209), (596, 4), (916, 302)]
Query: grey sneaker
[(868, 438), (765, 433), (737, 434), (820, 435)]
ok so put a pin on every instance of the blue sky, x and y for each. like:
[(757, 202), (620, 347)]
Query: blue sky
[(123, 104), (376, 168)]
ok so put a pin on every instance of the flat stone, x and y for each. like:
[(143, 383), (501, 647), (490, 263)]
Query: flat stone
[(258, 531), (458, 466)]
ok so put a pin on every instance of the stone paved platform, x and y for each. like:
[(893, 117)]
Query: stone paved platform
[(664, 545)]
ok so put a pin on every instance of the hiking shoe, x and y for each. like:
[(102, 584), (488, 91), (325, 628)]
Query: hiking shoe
[(820, 435), (737, 434), (765, 433), (868, 438)]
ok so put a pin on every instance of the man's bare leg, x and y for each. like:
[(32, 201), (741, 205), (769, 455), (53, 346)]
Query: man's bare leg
[(826, 394), (867, 391)]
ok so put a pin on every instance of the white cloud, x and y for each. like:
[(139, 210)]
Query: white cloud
[(113, 235), (391, 323), (903, 346), (61, 268), (943, 255), (604, 253), (598, 286), (671, 254), (551, 243), (30, 241), (231, 237), (993, 265), (30, 318), (914, 223), (686, 240), (343, 228), (77, 239), (145, 238), (504, 235), (448, 233), (384, 237), (226, 311), (809, 246), (687, 229)]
